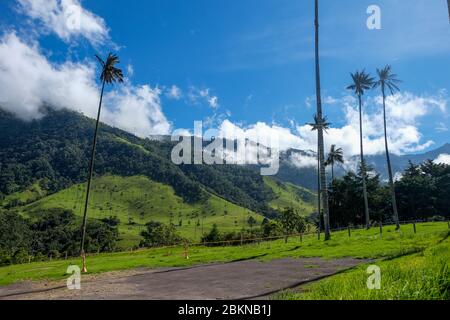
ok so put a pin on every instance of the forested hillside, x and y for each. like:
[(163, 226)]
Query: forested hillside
[(51, 154)]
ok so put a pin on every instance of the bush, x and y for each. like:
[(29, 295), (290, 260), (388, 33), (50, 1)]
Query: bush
[(54, 233), (158, 234)]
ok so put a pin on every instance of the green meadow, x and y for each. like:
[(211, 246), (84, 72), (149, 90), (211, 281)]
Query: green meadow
[(364, 244), (137, 200)]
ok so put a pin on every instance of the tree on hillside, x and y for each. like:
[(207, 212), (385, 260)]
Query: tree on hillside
[(388, 80), (323, 179), (109, 75), (362, 82), (251, 222), (335, 156)]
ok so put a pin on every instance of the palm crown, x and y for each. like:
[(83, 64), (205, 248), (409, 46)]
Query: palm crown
[(335, 156), (323, 123), (387, 79), (362, 81), (110, 73)]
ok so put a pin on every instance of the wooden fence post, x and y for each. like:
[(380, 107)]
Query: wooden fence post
[(381, 229), (349, 231), (186, 251), (414, 226)]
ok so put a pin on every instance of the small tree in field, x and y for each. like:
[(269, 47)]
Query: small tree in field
[(291, 221), (251, 222)]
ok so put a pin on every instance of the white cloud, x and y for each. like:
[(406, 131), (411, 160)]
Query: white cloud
[(213, 102), (443, 159), (261, 132), (130, 70), (303, 161), (441, 127), (174, 93), (404, 112), (195, 96), (28, 81), (66, 18), (137, 110)]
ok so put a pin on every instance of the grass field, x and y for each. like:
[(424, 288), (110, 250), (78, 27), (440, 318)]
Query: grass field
[(138, 200), (289, 195), (362, 244), (421, 276)]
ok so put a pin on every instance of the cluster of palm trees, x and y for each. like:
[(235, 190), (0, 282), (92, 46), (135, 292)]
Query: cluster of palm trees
[(361, 82)]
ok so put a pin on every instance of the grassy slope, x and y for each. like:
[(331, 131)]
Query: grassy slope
[(362, 244), (33, 193), (289, 195), (143, 200), (423, 276)]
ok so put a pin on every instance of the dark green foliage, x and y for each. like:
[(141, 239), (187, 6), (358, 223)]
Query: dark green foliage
[(213, 236), (52, 233), (270, 229), (54, 151), (292, 222), (15, 238), (251, 221), (158, 235), (422, 193)]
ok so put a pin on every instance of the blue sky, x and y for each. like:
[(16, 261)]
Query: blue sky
[(250, 63)]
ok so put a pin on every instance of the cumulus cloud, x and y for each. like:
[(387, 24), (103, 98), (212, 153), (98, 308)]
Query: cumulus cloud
[(303, 161), (137, 110), (443, 159), (196, 96), (174, 93), (281, 138), (404, 113), (28, 82), (66, 18)]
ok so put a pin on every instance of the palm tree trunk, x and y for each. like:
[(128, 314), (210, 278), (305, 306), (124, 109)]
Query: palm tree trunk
[(91, 169), (319, 209), (323, 180), (332, 172), (363, 166), (388, 159)]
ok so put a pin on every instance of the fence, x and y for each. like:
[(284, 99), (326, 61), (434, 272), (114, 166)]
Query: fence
[(186, 245)]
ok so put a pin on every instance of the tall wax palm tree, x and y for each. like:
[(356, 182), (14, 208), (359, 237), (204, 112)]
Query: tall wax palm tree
[(323, 179), (335, 156), (388, 80), (315, 126), (362, 82), (110, 74)]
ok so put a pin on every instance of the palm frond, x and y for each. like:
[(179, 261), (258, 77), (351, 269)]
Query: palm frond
[(317, 124), (110, 73), (387, 79), (362, 81)]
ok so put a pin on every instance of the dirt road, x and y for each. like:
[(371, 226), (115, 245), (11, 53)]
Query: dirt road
[(250, 279)]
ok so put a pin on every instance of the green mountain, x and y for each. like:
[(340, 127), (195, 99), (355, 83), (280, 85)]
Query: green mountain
[(43, 164)]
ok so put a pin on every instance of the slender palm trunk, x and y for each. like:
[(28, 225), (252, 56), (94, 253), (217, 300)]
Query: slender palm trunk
[(91, 169), (323, 180), (388, 159), (319, 209), (363, 166), (332, 172)]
